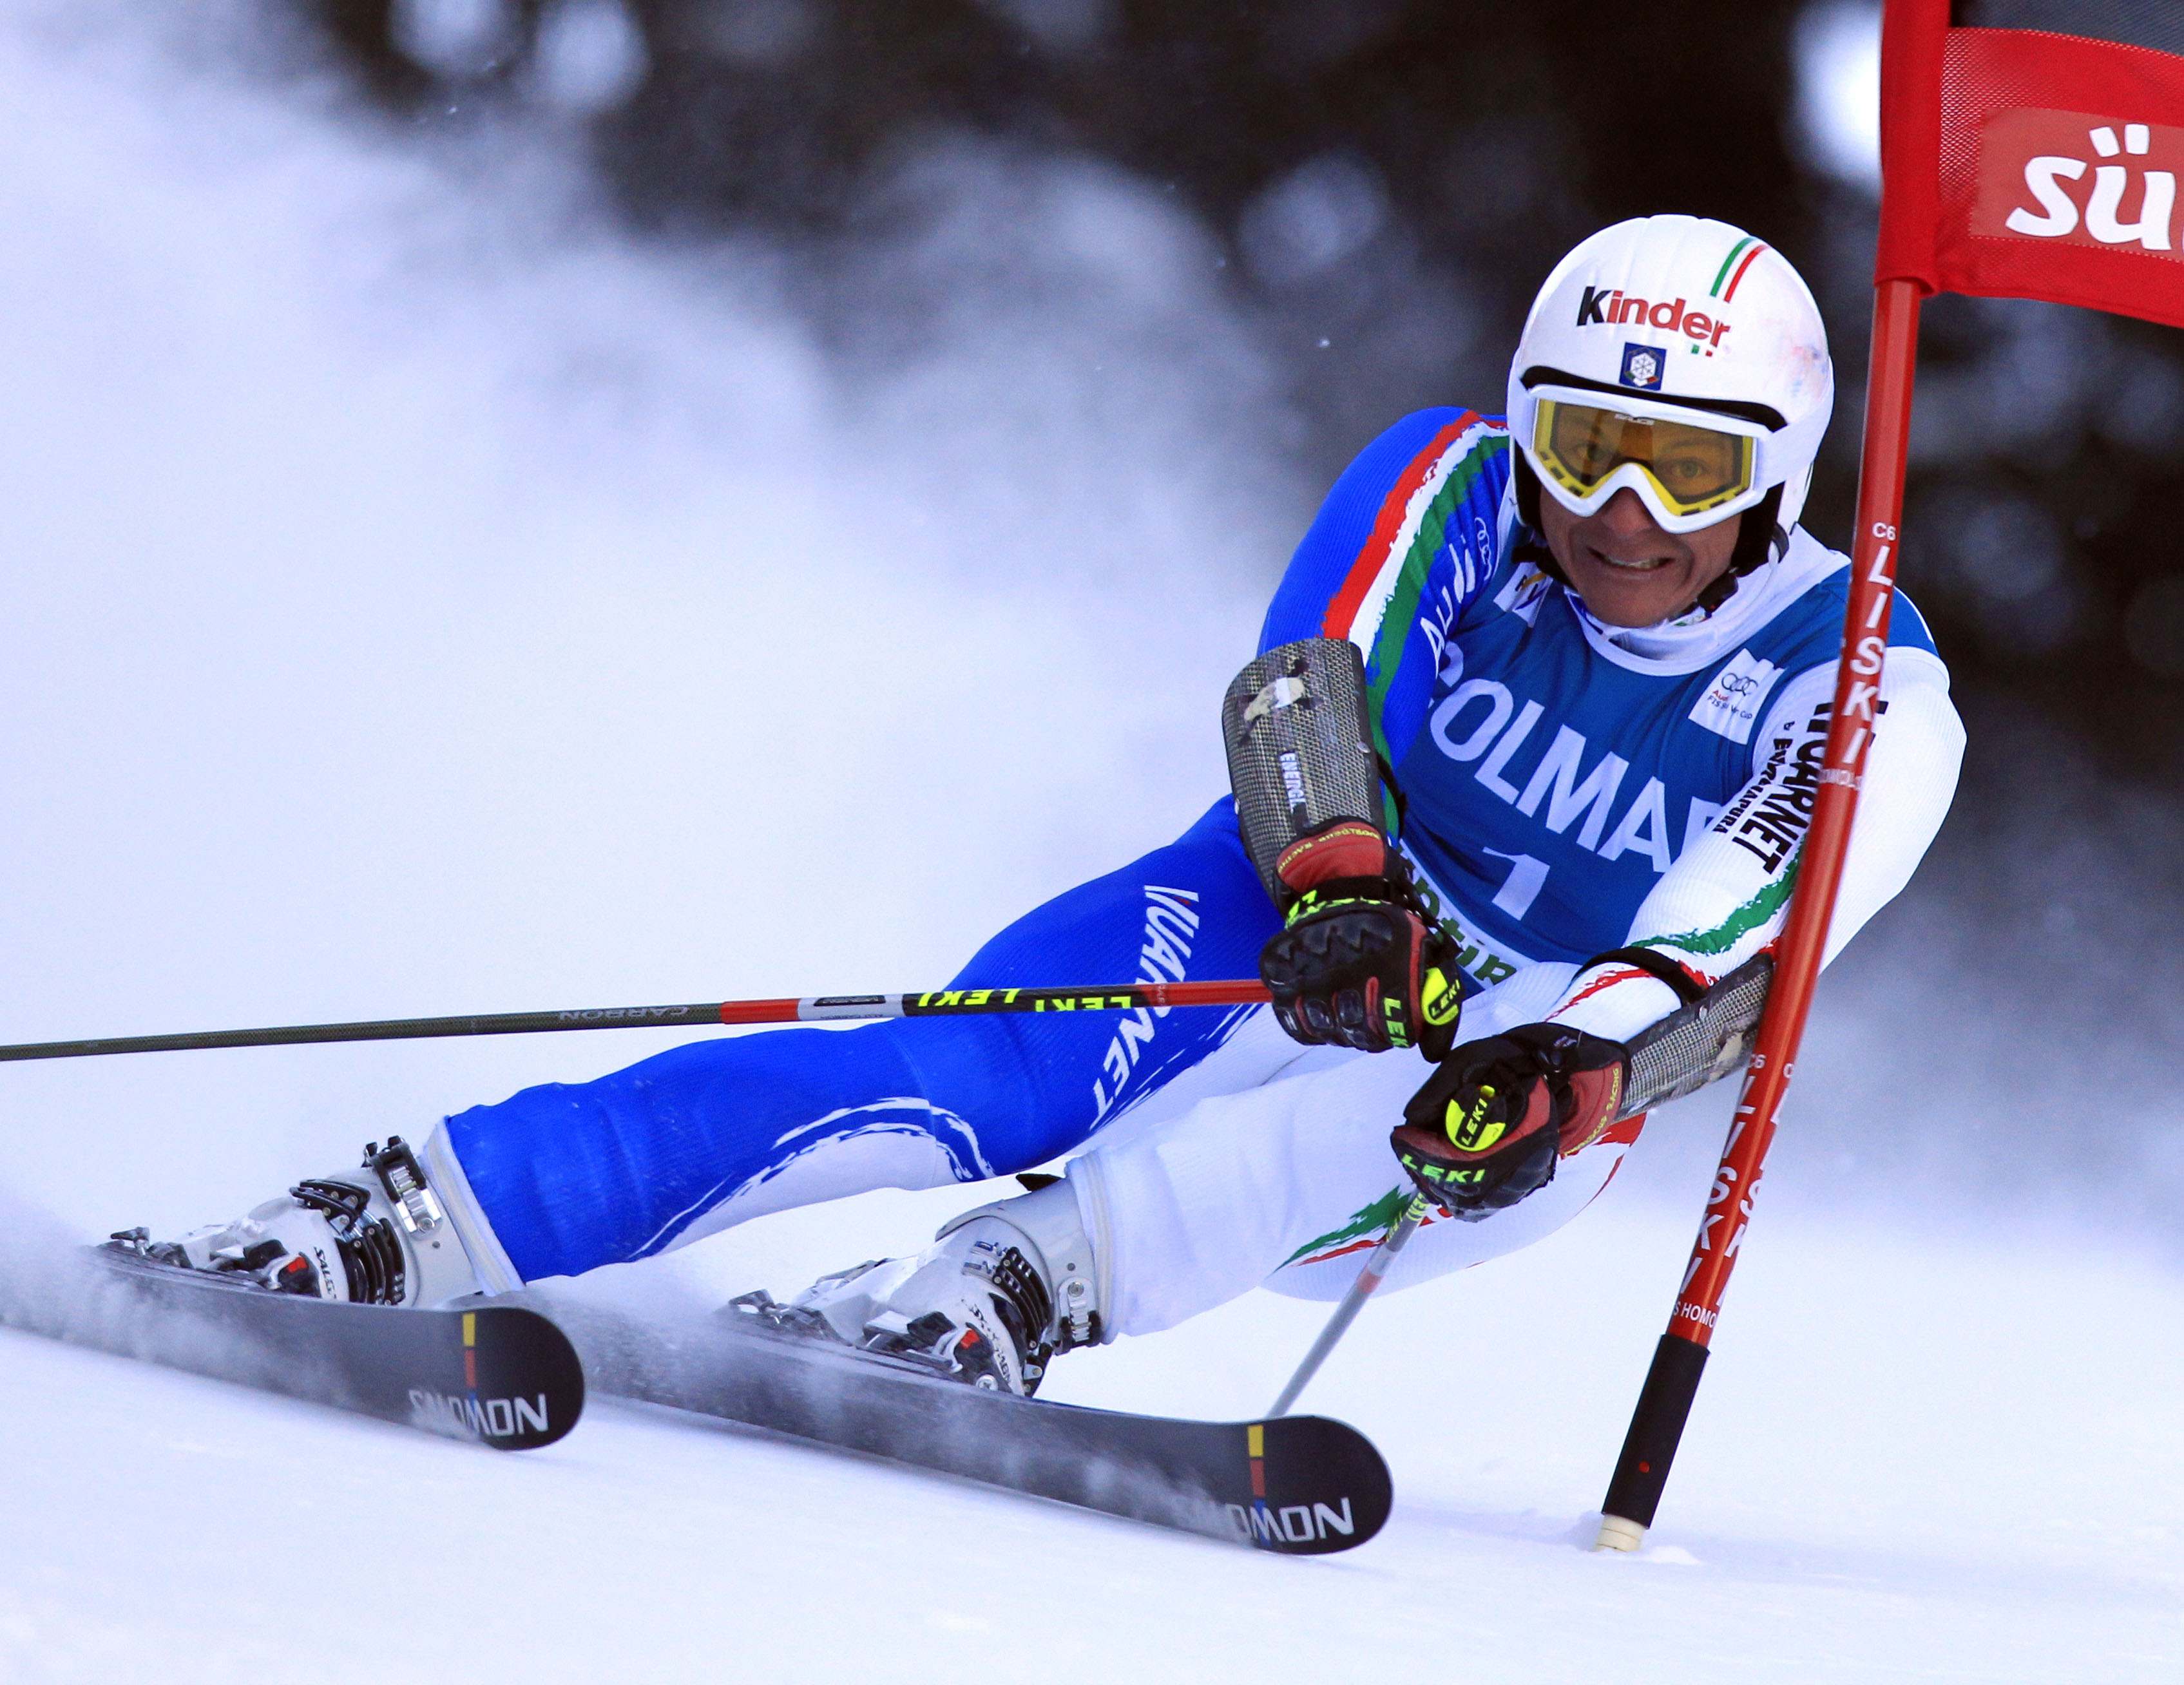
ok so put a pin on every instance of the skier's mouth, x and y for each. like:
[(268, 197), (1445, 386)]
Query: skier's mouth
[(1641, 565)]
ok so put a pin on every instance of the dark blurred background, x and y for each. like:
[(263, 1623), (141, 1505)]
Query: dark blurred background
[(1387, 182)]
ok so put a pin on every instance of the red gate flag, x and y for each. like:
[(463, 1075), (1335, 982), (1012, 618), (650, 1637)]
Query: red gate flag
[(2019, 164)]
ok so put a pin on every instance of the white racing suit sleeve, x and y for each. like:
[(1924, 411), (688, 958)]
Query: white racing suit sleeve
[(1728, 896)]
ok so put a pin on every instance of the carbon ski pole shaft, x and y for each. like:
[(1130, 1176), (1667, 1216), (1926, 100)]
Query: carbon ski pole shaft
[(809, 1009), (1367, 1282)]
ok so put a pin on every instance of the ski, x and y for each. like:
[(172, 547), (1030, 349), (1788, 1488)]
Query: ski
[(1300, 1485), (501, 1375)]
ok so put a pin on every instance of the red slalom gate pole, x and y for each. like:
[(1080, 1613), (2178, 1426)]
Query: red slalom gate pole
[(1664, 1403)]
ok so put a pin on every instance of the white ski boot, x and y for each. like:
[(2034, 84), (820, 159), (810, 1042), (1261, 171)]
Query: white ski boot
[(1000, 1291), (375, 1235)]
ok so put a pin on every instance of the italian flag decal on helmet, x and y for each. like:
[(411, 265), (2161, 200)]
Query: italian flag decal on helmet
[(1681, 359)]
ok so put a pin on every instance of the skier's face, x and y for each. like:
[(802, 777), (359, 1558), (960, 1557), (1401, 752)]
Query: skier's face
[(1629, 571)]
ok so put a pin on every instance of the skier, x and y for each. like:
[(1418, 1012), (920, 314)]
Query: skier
[(1600, 654)]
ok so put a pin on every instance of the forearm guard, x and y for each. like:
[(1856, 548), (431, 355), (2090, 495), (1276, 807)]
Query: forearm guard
[(1300, 742)]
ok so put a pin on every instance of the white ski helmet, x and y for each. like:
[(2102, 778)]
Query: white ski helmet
[(1676, 319)]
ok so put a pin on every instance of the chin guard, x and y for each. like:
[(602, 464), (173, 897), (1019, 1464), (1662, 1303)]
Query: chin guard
[(1299, 748)]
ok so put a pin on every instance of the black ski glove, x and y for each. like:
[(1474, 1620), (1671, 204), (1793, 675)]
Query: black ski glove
[(1358, 964), (1488, 1126)]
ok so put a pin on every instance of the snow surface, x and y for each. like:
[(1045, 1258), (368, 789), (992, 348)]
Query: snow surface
[(1915, 1457), (422, 599)]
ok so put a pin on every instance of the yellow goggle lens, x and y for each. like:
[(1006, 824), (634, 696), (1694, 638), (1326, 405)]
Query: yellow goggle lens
[(1694, 469)]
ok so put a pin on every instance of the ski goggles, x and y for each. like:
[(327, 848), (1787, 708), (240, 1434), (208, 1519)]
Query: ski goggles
[(1685, 472)]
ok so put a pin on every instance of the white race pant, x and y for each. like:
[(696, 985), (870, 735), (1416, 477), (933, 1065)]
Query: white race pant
[(1288, 1184)]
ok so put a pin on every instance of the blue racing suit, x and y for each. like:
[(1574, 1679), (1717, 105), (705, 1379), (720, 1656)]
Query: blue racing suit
[(1550, 774)]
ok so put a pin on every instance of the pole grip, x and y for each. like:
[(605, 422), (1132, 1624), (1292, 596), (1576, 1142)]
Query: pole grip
[(1657, 1428)]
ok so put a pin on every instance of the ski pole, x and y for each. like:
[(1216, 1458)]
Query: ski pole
[(1368, 1279), (809, 1009)]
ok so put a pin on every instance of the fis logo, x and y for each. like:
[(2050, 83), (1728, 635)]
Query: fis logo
[(1642, 367), (1731, 706)]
